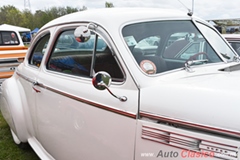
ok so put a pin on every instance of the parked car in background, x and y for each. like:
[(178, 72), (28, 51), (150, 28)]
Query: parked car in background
[(234, 40), (12, 50), (126, 99)]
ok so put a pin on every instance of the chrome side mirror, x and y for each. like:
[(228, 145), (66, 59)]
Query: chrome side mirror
[(102, 80), (82, 34)]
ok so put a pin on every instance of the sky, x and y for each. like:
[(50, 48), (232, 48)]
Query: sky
[(206, 9)]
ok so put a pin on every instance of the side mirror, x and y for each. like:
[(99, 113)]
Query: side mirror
[(82, 34), (102, 80)]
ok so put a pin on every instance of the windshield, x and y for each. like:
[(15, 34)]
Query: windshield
[(161, 46), (217, 42)]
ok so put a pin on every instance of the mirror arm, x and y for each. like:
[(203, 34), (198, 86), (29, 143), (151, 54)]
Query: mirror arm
[(94, 56), (121, 98), (91, 26), (188, 64)]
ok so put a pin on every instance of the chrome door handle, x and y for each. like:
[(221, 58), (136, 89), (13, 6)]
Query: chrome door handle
[(34, 88), (35, 83)]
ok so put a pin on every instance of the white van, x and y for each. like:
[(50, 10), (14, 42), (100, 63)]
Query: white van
[(12, 49)]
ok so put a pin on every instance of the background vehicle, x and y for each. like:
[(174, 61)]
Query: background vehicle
[(122, 98), (234, 40), (11, 49)]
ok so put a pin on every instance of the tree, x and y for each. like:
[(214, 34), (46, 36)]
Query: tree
[(71, 10), (83, 8), (109, 5), (10, 15), (41, 18), (27, 19)]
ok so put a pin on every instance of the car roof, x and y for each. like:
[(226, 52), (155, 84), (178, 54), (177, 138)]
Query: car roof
[(118, 16), (7, 27)]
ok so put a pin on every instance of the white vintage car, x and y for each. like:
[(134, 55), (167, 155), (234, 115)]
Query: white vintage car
[(91, 87)]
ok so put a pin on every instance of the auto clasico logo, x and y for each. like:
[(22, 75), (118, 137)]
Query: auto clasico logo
[(185, 154)]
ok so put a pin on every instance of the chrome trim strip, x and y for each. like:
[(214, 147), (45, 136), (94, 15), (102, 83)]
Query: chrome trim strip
[(189, 124), (25, 78), (188, 143), (11, 64), (114, 110), (128, 114), (169, 132)]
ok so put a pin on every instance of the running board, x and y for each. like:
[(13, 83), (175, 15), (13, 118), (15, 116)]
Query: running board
[(39, 150)]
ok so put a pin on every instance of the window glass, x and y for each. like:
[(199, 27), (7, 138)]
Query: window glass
[(149, 41), (8, 38), (166, 45), (217, 42), (76, 58), (236, 46), (26, 37), (39, 50), (1, 41), (67, 41), (183, 45), (191, 50)]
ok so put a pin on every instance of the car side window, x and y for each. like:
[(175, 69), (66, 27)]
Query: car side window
[(71, 57), (176, 43), (184, 45), (105, 61), (236, 46), (39, 50), (8, 38)]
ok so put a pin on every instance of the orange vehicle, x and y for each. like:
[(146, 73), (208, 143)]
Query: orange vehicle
[(12, 50)]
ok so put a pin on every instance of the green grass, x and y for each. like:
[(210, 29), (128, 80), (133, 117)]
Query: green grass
[(8, 149)]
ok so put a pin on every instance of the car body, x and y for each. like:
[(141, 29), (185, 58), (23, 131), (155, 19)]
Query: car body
[(234, 40), (11, 52), (164, 101)]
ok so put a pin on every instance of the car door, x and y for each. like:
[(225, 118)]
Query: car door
[(74, 119), (28, 76)]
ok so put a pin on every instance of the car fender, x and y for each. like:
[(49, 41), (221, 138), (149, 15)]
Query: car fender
[(12, 109)]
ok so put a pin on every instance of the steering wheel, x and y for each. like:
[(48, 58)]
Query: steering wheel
[(194, 57)]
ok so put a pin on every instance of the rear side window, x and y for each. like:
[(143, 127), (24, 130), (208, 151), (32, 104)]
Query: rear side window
[(9, 38), (39, 50)]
